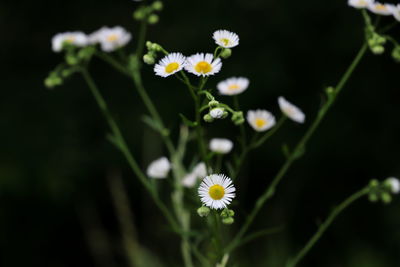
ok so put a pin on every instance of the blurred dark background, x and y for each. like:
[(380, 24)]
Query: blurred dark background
[(55, 159)]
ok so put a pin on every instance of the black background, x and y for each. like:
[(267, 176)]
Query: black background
[(54, 157)]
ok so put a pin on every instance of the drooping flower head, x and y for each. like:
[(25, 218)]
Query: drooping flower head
[(226, 38), (159, 168), (380, 9), (201, 64), (290, 110), (260, 120), (73, 38), (216, 191), (359, 3), (110, 39), (170, 64), (233, 86), (221, 145)]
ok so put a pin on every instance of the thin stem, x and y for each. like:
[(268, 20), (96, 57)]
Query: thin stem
[(268, 134), (299, 149), (120, 142), (324, 226), (141, 39)]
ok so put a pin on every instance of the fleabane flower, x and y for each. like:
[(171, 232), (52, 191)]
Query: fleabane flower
[(199, 171), (226, 38), (359, 3), (233, 86), (220, 145), (74, 38), (380, 9), (170, 64), (290, 110), (394, 184), (217, 113), (261, 120), (216, 191), (159, 168), (201, 64), (110, 39), (395, 11)]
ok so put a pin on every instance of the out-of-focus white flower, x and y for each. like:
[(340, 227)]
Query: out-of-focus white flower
[(221, 145), (216, 191), (201, 64), (199, 171), (380, 9), (226, 38), (395, 11), (170, 64), (110, 39), (233, 86), (291, 110), (394, 184), (359, 3), (261, 120), (217, 113), (74, 38), (159, 168)]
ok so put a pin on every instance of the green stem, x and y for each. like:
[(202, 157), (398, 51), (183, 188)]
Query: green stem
[(141, 39), (120, 141), (324, 226), (269, 192)]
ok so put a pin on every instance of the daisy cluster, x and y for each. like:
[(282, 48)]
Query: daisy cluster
[(109, 39), (377, 7)]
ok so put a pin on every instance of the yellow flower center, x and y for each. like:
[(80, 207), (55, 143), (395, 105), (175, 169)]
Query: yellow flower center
[(216, 192), (171, 67), (380, 7), (260, 123), (203, 67), (362, 2), (112, 37), (70, 39), (225, 41), (233, 87)]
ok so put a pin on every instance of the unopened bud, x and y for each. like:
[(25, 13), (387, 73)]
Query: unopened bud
[(158, 5), (148, 59), (386, 198), (153, 19), (203, 211), (226, 52), (217, 113), (208, 118), (228, 220), (396, 54)]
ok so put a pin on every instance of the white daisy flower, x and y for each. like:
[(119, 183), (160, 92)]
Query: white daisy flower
[(261, 120), (380, 9), (202, 64), (217, 113), (220, 145), (216, 191), (359, 3), (170, 64), (395, 11), (74, 38), (290, 110), (189, 180), (199, 171), (233, 86), (226, 38), (110, 39), (159, 168), (394, 184)]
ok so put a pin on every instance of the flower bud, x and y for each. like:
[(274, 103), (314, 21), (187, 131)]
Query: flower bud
[(139, 14), (373, 197), (237, 117), (226, 52), (217, 113), (396, 54), (393, 184), (152, 19), (71, 59), (149, 45), (208, 118), (203, 211), (148, 59), (386, 198), (227, 213), (228, 220), (158, 5), (378, 49), (213, 104), (156, 47)]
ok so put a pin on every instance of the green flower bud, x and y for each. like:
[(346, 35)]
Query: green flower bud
[(373, 197), (373, 183), (208, 118), (158, 5), (228, 220), (71, 59), (378, 49), (153, 19), (203, 211), (149, 45), (227, 213), (156, 47), (213, 104), (386, 198), (237, 117), (396, 54), (148, 59), (139, 14), (226, 52), (52, 81), (67, 72)]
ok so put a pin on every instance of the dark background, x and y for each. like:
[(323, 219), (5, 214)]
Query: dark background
[(55, 159)]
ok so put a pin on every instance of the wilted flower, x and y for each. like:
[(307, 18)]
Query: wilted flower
[(170, 64), (73, 38), (260, 120), (226, 38), (291, 110), (220, 145), (202, 64), (233, 86), (159, 168), (216, 191)]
